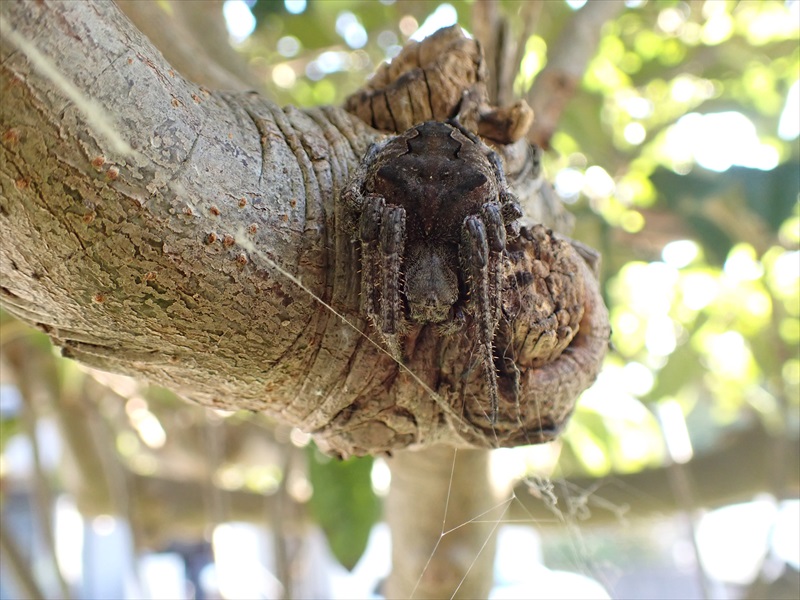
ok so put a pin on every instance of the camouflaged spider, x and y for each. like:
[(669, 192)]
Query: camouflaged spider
[(432, 211)]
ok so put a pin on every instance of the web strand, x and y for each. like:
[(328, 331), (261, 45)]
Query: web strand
[(242, 240)]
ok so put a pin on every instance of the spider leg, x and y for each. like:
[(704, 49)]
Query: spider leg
[(352, 196), (369, 228), (392, 244), (509, 207), (496, 240), (475, 248)]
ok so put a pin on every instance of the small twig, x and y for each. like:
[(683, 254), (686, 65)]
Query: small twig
[(485, 18), (503, 45), (567, 62), (26, 374), (114, 470), (280, 531), (529, 15), (43, 495)]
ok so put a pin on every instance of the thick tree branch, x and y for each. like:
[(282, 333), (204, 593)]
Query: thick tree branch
[(200, 259), (130, 262)]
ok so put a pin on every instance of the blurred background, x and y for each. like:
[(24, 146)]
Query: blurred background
[(679, 474)]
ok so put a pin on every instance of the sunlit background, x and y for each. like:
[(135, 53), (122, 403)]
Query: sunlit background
[(679, 158)]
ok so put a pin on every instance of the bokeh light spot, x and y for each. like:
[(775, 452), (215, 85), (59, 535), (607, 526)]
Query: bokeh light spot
[(742, 264), (295, 7), (634, 133), (444, 16), (288, 46), (283, 75), (680, 253), (238, 19)]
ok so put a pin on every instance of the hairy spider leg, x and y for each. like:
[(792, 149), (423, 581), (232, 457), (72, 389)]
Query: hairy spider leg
[(496, 240), (369, 232), (475, 253), (392, 244)]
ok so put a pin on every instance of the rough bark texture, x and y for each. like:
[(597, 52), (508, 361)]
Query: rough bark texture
[(179, 260), (435, 79)]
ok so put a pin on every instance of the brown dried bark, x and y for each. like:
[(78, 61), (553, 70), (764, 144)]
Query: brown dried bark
[(436, 79)]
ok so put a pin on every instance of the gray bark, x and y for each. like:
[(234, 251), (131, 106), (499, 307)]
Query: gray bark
[(129, 261)]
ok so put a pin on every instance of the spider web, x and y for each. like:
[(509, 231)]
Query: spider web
[(568, 504)]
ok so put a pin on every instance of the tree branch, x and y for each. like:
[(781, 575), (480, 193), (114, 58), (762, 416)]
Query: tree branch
[(130, 263), (212, 258), (566, 64), (431, 565), (504, 44), (19, 568), (736, 470)]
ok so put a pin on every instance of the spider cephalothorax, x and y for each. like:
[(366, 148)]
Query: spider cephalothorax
[(432, 211)]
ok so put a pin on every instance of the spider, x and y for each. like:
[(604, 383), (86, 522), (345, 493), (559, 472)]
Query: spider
[(432, 211)]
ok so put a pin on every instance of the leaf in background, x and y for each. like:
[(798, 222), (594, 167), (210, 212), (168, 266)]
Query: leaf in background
[(683, 367), (741, 204), (343, 503), (772, 195)]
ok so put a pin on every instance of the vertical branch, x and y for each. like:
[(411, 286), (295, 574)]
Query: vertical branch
[(485, 22), (677, 444), (567, 62), (116, 473), (529, 15), (280, 514), (503, 45), (42, 493), (449, 553), (28, 373), (18, 566)]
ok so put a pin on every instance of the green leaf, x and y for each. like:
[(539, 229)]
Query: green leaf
[(343, 503), (683, 367)]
